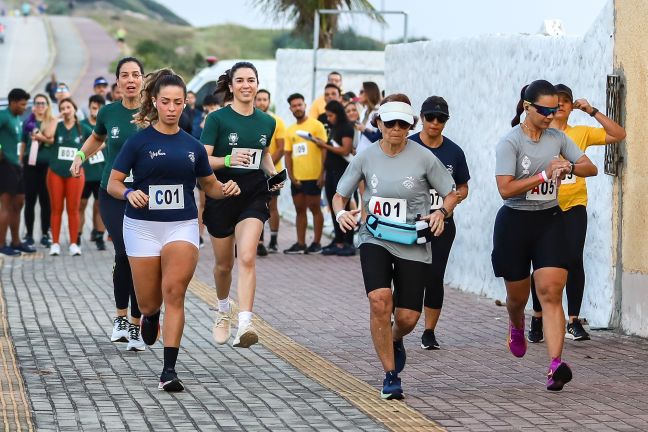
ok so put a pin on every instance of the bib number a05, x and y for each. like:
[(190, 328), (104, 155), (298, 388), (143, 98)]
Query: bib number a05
[(166, 197), (392, 209), (255, 157), (96, 158), (436, 200), (66, 153), (300, 149), (542, 192)]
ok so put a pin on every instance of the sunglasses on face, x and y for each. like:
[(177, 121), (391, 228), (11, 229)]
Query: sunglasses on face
[(401, 124), (441, 118), (40, 103), (543, 110)]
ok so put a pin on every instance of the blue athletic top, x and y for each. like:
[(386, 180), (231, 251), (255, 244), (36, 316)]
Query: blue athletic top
[(165, 167), (450, 155)]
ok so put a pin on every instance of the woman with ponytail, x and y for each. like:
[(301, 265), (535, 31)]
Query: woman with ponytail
[(65, 189), (529, 229), (236, 138), (114, 126)]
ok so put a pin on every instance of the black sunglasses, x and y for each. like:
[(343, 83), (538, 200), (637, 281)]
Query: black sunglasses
[(441, 118), (401, 123), (543, 110)]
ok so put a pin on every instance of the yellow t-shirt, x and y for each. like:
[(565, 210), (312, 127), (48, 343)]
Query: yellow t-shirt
[(279, 133), (306, 155), (573, 190), (318, 107)]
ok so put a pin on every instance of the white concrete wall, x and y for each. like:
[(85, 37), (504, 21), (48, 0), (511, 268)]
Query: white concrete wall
[(481, 79)]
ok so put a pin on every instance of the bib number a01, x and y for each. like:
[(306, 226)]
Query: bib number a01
[(96, 158), (392, 209), (436, 200), (255, 157), (300, 149), (66, 153), (542, 192), (166, 197)]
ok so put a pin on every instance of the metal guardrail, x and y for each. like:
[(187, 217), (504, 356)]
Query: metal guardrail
[(613, 105)]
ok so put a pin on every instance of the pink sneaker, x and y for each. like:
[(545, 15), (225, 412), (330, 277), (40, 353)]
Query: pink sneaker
[(516, 341), (559, 374)]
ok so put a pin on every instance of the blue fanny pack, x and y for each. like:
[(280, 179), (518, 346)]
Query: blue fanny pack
[(403, 233)]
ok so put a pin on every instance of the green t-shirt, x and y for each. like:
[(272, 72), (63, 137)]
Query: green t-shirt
[(10, 132), (115, 122), (44, 150), (227, 130), (66, 143), (95, 165)]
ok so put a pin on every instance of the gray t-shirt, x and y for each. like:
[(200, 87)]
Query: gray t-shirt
[(518, 156), (397, 189)]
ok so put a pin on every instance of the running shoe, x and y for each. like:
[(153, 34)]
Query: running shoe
[(222, 327), (55, 249), (94, 235), (28, 240), (516, 342), (261, 250), (314, 248), (25, 248), (101, 244), (45, 241), (75, 250), (400, 356), (428, 340), (330, 250), (246, 336), (170, 382), (135, 342), (559, 374), (120, 329), (272, 248), (535, 334), (295, 249), (392, 388), (576, 331), (346, 250), (150, 329), (9, 251)]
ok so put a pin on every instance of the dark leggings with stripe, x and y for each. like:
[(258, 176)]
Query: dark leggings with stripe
[(576, 230), (112, 213)]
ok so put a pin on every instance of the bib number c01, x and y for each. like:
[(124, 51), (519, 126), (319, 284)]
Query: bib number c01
[(300, 149), (96, 158), (542, 192), (436, 200), (66, 153), (255, 157), (392, 209), (166, 197)]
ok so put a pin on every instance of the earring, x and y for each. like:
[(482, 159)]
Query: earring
[(154, 105)]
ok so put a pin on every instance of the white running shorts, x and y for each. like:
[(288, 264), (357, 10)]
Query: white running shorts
[(144, 238)]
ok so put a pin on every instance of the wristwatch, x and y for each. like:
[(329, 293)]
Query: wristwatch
[(594, 112), (444, 211)]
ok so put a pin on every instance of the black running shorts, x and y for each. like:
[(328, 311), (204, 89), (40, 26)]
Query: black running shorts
[(307, 187), (221, 216), (11, 178), (524, 238), (380, 268), (91, 188)]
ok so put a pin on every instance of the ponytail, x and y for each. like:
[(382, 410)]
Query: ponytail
[(531, 93), (520, 108), (153, 82)]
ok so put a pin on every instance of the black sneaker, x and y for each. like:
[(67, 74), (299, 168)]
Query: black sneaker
[(101, 244), (314, 248), (150, 329), (535, 334), (25, 248), (170, 382), (428, 341), (330, 250), (28, 240), (261, 250), (346, 250), (272, 248), (576, 331), (400, 356), (45, 241), (94, 235), (296, 249)]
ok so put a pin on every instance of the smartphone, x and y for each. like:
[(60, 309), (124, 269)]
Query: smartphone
[(280, 177)]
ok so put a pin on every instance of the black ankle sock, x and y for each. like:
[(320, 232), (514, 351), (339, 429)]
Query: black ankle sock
[(273, 237), (170, 357)]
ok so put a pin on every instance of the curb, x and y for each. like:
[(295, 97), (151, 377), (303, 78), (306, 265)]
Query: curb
[(51, 49)]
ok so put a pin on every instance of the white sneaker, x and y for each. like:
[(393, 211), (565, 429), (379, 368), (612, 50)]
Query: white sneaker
[(222, 327), (75, 250), (55, 249), (246, 336), (120, 329), (135, 342)]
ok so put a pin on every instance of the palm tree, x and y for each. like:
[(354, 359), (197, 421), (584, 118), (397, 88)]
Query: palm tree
[(303, 11)]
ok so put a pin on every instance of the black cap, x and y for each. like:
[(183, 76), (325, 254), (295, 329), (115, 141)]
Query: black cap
[(435, 105), (562, 88)]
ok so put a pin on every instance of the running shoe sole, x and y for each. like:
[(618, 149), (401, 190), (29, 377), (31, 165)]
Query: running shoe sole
[(430, 347), (391, 396), (175, 385), (561, 376), (121, 339), (247, 339), (576, 338)]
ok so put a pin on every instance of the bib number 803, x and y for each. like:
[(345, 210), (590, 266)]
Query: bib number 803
[(166, 197)]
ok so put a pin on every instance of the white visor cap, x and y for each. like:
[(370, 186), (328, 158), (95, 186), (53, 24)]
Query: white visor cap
[(396, 111)]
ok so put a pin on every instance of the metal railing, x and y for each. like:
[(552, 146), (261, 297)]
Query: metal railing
[(613, 105)]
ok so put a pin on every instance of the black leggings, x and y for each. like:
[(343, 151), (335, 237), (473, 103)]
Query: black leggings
[(332, 179), (36, 189), (436, 271), (576, 229), (112, 213)]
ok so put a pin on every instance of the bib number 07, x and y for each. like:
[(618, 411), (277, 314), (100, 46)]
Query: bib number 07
[(166, 197), (392, 209)]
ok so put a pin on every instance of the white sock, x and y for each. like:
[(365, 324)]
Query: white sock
[(224, 305), (244, 317)]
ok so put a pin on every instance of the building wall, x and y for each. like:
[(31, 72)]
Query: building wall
[(481, 79)]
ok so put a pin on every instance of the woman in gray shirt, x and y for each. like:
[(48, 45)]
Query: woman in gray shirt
[(529, 230), (398, 174)]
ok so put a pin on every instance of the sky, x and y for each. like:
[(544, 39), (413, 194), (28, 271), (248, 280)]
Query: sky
[(432, 19)]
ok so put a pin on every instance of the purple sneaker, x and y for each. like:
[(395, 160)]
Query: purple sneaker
[(516, 341), (559, 374)]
